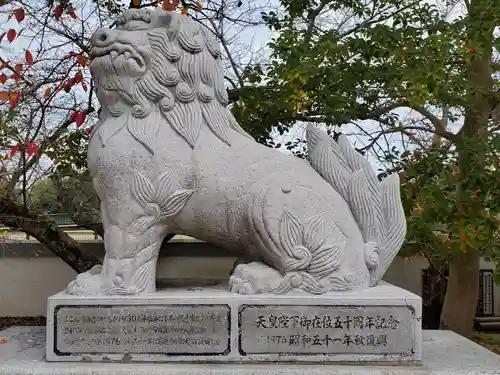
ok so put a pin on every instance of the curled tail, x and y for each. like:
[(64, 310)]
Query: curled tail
[(376, 205)]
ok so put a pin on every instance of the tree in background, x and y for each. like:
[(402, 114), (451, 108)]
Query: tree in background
[(48, 107), (340, 63)]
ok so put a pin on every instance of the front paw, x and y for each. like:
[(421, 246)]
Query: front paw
[(87, 283)]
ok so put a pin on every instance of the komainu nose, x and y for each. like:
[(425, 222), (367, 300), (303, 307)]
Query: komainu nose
[(101, 37)]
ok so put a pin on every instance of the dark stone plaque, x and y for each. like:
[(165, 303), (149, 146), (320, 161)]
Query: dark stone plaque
[(267, 329), (139, 329)]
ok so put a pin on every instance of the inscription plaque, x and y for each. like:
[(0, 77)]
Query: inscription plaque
[(269, 329), (159, 329)]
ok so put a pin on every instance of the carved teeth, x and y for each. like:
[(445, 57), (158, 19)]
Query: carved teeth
[(114, 54)]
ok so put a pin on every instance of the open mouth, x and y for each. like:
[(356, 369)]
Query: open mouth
[(116, 49)]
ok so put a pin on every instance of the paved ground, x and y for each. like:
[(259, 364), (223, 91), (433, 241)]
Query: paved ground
[(490, 341), (444, 353)]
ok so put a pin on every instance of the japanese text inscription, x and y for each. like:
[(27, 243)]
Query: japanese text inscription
[(325, 329), (170, 329)]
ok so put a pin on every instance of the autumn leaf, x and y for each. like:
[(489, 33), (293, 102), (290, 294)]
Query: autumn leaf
[(47, 93), (170, 5), (14, 150), (32, 148), (11, 35), (59, 11), (88, 131), (78, 77), (84, 86), (136, 3), (3, 78), (4, 95), (198, 6), (19, 14), (13, 100), (16, 77), (184, 11), (79, 118), (81, 60), (29, 57), (69, 85), (18, 68), (72, 13)]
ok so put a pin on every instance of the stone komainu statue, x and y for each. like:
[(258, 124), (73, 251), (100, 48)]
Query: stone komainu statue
[(167, 156)]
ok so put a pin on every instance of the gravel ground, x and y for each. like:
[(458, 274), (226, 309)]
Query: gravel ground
[(21, 321), (490, 341)]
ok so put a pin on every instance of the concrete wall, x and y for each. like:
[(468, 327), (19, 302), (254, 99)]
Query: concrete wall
[(29, 274)]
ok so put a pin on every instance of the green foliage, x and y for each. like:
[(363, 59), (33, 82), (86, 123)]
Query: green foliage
[(337, 62), (43, 197), (356, 61), (69, 154), (437, 223)]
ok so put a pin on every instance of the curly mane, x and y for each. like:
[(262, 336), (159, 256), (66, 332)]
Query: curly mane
[(185, 83)]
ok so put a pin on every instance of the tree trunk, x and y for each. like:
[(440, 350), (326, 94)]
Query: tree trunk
[(460, 302), (47, 233)]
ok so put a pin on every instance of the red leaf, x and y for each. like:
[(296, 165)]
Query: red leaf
[(32, 148), (84, 86), (170, 5), (72, 13), (3, 78), (47, 93), (29, 58), (79, 118), (59, 11), (16, 77), (19, 14), (81, 60), (69, 84), (14, 99), (11, 35), (88, 131), (4, 95), (14, 150), (78, 77)]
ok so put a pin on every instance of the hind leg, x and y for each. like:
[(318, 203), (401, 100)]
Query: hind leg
[(258, 277)]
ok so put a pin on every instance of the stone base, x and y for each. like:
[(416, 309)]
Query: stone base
[(444, 353), (381, 324)]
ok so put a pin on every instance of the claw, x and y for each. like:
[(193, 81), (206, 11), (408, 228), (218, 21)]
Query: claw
[(234, 283), (246, 288)]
